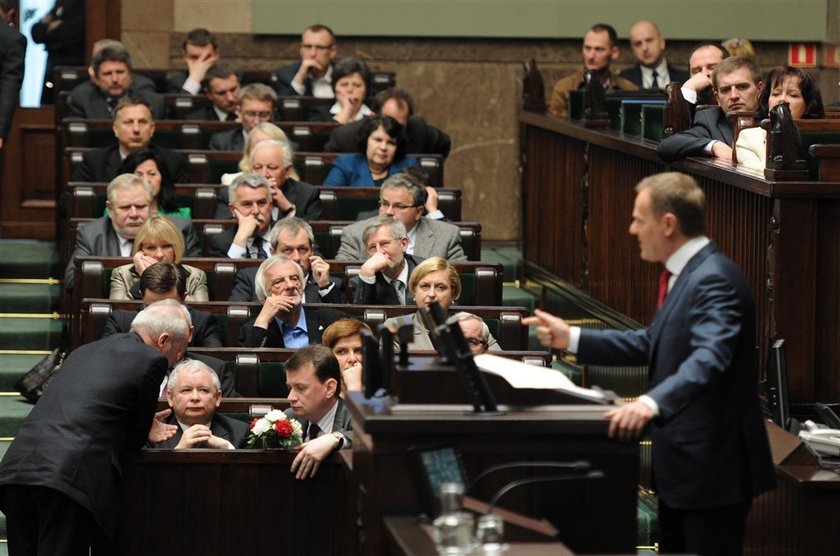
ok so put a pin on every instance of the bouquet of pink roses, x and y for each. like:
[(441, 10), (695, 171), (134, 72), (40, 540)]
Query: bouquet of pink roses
[(275, 430)]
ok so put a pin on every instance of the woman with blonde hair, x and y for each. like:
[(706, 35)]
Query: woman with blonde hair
[(435, 279), (158, 239)]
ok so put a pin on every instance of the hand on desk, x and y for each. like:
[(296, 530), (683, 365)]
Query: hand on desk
[(628, 421), (311, 454)]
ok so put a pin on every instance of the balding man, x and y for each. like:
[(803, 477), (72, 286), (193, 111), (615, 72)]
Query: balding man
[(701, 63), (129, 197), (652, 70), (60, 478), (194, 393)]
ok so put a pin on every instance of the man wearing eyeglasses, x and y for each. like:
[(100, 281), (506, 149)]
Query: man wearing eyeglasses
[(257, 103), (383, 278), (402, 198), (251, 206), (312, 76), (293, 237)]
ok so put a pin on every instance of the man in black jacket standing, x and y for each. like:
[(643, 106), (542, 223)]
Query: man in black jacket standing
[(60, 479), (12, 54)]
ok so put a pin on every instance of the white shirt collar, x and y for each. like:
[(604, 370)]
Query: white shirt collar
[(679, 258), (363, 112), (662, 76), (412, 238)]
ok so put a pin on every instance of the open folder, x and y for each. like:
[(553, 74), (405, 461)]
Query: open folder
[(523, 376)]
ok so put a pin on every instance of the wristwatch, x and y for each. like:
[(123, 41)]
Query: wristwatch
[(340, 438)]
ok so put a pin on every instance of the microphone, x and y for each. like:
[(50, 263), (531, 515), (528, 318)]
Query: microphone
[(549, 479), (579, 465)]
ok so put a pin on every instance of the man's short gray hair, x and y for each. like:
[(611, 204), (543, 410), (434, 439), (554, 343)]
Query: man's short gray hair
[(291, 225), (128, 181), (163, 317), (398, 231), (191, 367), (406, 181), (246, 179), (485, 330), (259, 282), (284, 146)]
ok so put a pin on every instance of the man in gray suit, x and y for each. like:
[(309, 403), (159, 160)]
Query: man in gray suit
[(129, 197), (383, 279), (313, 378), (403, 198), (194, 393)]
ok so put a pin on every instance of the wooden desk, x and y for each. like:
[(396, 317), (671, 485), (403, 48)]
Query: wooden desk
[(578, 191), (218, 502), (591, 516)]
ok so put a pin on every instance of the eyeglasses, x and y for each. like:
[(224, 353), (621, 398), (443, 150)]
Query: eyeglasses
[(386, 205), (320, 47), (250, 114)]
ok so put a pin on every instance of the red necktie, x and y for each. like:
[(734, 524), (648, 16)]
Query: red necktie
[(664, 276)]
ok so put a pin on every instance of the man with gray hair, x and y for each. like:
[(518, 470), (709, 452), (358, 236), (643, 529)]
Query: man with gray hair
[(272, 160), (402, 198), (283, 322), (112, 80), (293, 238), (477, 333), (129, 197), (194, 394), (60, 478), (384, 276), (250, 204)]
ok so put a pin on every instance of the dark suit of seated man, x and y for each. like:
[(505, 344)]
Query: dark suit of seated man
[(652, 70), (314, 380), (383, 279), (293, 238), (710, 453), (737, 84), (312, 76), (398, 104), (98, 99), (134, 127), (255, 104), (129, 197), (194, 393), (222, 89), (168, 281), (283, 322)]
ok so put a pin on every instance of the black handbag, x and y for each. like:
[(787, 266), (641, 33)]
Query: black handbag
[(32, 384)]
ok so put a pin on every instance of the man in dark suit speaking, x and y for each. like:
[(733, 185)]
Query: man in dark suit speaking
[(710, 448), (60, 479)]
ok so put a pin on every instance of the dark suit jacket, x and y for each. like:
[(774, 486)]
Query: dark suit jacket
[(244, 290), (283, 81), (381, 292), (634, 74), (422, 138), (204, 113), (102, 165), (218, 244), (708, 124), (88, 101), (206, 333), (342, 423), (97, 238), (710, 447), (232, 430), (229, 140), (317, 319), (12, 54), (76, 435), (225, 372), (175, 81)]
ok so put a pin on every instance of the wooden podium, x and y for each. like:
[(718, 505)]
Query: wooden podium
[(592, 516)]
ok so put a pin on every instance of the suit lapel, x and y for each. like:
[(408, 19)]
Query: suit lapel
[(424, 240)]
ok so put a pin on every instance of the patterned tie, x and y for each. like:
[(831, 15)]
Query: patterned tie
[(654, 84), (313, 432), (258, 244), (399, 287), (664, 276)]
